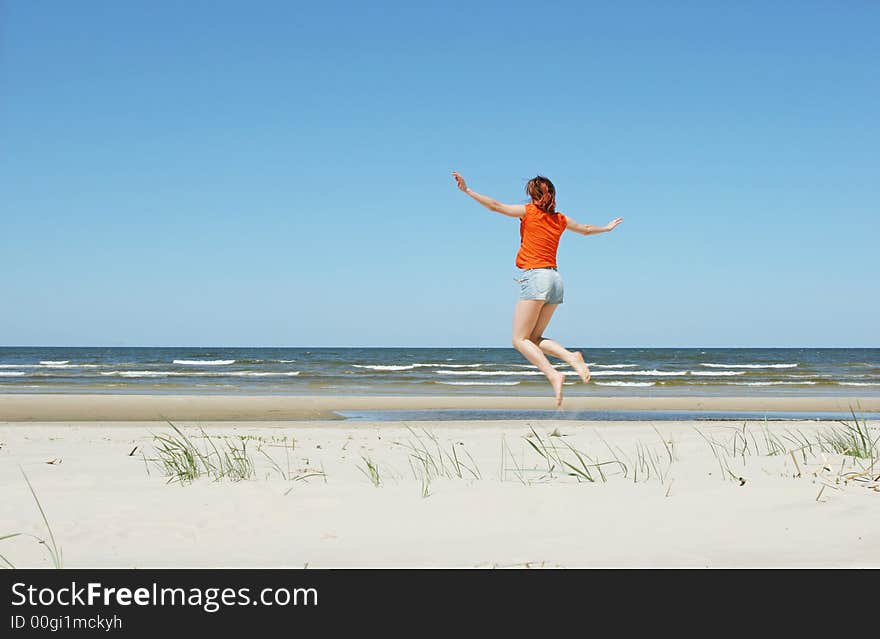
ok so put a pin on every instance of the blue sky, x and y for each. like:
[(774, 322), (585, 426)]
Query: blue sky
[(277, 173)]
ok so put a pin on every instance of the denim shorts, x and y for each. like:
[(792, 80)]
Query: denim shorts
[(543, 284)]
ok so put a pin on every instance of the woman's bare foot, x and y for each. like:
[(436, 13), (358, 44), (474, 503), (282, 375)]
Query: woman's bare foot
[(556, 382), (581, 367)]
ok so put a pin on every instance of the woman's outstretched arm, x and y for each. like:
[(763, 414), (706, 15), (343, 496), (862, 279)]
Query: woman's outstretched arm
[(589, 229), (513, 210)]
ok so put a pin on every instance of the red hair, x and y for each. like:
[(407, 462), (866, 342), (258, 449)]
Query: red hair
[(543, 193)]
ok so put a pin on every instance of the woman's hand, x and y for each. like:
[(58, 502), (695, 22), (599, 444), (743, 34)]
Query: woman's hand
[(511, 210), (613, 224), (460, 180)]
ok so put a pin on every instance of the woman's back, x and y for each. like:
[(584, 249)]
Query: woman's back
[(539, 234)]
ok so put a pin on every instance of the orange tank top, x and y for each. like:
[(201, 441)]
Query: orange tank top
[(539, 234)]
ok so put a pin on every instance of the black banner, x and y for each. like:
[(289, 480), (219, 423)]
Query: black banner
[(147, 602)]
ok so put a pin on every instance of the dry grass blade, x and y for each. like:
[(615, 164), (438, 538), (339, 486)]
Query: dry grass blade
[(51, 546)]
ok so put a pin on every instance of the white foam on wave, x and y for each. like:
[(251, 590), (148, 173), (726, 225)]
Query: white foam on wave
[(717, 373), (749, 365), (49, 362), (12, 374), (199, 374), (811, 375), (535, 367), (618, 383), (48, 365), (140, 373), (772, 383), (479, 383), (488, 373), (408, 367), (614, 365), (449, 365), (286, 361), (69, 366), (204, 362), (259, 374), (386, 367), (859, 383), (650, 373), (590, 364)]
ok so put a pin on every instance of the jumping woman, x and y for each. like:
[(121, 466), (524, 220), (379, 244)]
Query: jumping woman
[(540, 226)]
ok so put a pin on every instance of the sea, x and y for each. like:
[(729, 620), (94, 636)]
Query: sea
[(850, 372)]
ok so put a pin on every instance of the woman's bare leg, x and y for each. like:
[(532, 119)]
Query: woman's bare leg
[(555, 349), (525, 317)]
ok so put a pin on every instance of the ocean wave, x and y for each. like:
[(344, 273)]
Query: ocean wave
[(386, 367), (259, 374), (614, 365), (590, 364), (42, 365), (204, 362), (448, 365), (199, 374), (507, 373), (49, 362), (650, 373), (46, 365), (560, 365), (749, 365), (12, 374), (408, 367), (286, 361), (617, 383), (804, 383), (859, 383), (140, 373), (478, 383), (717, 373)]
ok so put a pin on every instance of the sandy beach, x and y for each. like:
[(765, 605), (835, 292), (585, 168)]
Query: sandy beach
[(132, 407), (469, 494)]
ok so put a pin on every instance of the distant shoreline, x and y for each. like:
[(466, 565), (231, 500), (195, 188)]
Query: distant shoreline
[(119, 407)]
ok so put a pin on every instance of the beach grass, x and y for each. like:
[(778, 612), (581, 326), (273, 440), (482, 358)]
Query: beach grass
[(435, 460), (371, 470), (183, 458), (853, 439), (517, 468), (51, 545), (183, 462), (429, 460), (570, 460)]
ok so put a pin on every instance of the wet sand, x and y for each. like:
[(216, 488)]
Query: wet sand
[(119, 407)]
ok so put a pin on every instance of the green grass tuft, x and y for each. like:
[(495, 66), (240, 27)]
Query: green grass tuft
[(183, 462), (371, 470)]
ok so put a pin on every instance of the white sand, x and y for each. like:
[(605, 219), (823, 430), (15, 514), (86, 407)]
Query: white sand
[(106, 510)]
